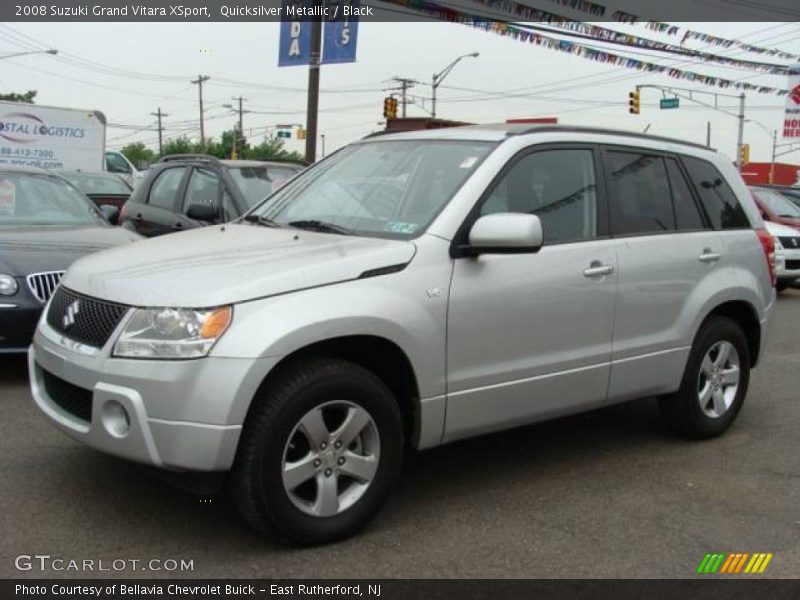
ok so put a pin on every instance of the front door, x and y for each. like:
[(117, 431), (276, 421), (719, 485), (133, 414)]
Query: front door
[(529, 335)]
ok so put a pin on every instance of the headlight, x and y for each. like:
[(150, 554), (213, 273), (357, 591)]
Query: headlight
[(172, 332), (8, 285)]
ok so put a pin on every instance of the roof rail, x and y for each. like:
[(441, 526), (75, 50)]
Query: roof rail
[(604, 131), (199, 157)]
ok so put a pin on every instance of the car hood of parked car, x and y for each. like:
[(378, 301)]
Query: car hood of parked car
[(217, 265), (26, 249)]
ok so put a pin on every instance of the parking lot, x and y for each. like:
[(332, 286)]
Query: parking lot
[(607, 494)]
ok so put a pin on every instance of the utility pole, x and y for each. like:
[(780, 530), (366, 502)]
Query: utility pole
[(241, 112), (405, 84), (201, 79), (160, 114), (740, 143), (774, 156), (322, 137), (312, 107), (708, 134)]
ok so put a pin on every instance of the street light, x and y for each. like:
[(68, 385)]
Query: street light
[(52, 51), (439, 77)]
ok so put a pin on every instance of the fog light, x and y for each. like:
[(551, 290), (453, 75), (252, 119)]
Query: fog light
[(115, 419)]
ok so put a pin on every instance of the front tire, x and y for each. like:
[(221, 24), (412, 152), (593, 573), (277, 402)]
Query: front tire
[(714, 384), (320, 450)]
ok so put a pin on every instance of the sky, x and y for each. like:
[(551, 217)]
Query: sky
[(510, 79)]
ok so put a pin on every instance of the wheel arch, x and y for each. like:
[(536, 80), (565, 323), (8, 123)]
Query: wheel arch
[(383, 357), (744, 314)]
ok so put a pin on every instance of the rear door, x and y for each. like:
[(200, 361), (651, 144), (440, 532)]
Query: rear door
[(157, 214), (665, 249)]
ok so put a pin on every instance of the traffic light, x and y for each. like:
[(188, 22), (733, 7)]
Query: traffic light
[(301, 133), (633, 103), (744, 155), (390, 107)]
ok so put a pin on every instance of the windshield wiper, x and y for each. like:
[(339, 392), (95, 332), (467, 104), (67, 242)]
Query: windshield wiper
[(259, 220), (321, 226)]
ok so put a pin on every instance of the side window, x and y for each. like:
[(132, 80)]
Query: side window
[(165, 188), (640, 199), (687, 213), (559, 186), (116, 164), (203, 188), (719, 201)]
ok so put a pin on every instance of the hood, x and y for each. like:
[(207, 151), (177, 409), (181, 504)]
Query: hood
[(216, 265), (779, 230), (37, 248)]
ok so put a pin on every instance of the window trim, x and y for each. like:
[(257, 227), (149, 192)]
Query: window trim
[(693, 185), (177, 201), (459, 246)]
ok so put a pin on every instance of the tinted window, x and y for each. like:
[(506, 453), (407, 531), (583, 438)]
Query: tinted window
[(687, 213), (256, 183), (165, 188), (99, 184), (558, 186), (203, 188), (777, 203), (719, 201), (640, 200)]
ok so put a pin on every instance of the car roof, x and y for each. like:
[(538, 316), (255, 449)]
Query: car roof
[(497, 132)]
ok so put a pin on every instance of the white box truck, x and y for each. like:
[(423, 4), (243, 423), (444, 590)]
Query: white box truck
[(51, 137)]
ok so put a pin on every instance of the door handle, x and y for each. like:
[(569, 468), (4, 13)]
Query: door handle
[(708, 256), (598, 269), (177, 225), (138, 216)]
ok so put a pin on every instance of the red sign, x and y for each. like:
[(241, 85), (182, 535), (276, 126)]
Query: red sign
[(535, 121)]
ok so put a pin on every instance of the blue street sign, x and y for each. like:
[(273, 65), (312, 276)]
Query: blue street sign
[(341, 33), (670, 103), (295, 42)]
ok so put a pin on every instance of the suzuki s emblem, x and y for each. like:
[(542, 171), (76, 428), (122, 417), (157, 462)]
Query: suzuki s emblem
[(794, 242), (68, 320)]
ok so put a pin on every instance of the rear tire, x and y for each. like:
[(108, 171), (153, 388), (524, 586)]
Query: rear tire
[(714, 383), (320, 450)]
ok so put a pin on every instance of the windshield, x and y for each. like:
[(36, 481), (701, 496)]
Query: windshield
[(256, 183), (32, 199), (778, 204), (387, 188), (98, 184)]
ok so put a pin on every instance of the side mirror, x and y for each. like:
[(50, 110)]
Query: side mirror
[(202, 212), (505, 233), (111, 213)]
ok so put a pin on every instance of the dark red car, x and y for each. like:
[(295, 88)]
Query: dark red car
[(775, 207)]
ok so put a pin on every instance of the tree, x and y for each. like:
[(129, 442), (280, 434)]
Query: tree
[(271, 147), (139, 154), (180, 145), (27, 97)]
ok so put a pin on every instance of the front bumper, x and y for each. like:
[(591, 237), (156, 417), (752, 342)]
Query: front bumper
[(787, 265), (179, 415), (18, 317)]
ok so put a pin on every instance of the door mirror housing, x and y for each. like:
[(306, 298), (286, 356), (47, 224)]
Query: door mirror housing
[(505, 233), (111, 213), (202, 212)]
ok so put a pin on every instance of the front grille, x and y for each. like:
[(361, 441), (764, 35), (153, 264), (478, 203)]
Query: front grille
[(77, 401), (792, 265), (86, 320), (42, 285), (790, 242)]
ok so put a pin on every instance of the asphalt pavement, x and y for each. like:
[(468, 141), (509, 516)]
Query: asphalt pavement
[(606, 494)]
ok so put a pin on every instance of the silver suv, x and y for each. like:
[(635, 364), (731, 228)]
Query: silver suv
[(414, 289)]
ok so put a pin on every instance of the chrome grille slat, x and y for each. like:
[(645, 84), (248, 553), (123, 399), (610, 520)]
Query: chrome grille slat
[(43, 285)]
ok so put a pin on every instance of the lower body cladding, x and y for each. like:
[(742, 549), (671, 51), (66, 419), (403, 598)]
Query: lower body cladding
[(135, 409)]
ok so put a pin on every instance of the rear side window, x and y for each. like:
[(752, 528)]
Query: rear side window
[(719, 201), (687, 213), (165, 188), (640, 199)]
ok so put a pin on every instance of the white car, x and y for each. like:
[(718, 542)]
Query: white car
[(787, 254)]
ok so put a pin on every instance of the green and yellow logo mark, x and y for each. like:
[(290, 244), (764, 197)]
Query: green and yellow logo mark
[(734, 563)]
